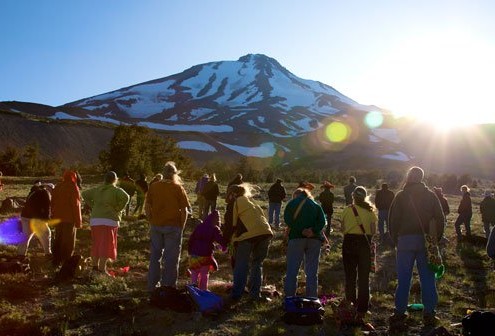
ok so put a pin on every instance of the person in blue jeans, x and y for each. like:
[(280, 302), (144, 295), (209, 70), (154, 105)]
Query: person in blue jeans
[(413, 210), (167, 210), (251, 239), (305, 220)]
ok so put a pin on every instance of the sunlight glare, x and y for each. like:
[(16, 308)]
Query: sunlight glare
[(442, 78)]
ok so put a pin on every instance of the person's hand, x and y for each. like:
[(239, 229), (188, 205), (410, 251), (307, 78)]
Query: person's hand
[(308, 233)]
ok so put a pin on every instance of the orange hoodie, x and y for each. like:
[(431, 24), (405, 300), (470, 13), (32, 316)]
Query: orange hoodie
[(66, 200)]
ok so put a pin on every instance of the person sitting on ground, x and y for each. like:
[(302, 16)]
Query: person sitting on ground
[(201, 246)]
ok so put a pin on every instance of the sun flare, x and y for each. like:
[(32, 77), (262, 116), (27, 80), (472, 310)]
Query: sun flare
[(444, 79)]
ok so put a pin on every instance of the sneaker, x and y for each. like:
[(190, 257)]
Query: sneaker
[(431, 320)]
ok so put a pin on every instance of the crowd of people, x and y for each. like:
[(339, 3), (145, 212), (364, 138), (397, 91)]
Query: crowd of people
[(245, 231)]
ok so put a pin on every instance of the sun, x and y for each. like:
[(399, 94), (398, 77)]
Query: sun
[(443, 78)]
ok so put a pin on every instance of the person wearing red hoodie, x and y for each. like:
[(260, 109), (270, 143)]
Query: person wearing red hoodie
[(66, 206)]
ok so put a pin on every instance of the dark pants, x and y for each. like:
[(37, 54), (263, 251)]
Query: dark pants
[(357, 265), (64, 242), (465, 219), (210, 206)]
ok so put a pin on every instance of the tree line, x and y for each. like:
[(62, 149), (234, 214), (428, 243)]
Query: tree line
[(140, 150)]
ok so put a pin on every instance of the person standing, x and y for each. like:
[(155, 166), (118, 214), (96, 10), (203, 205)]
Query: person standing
[(107, 203), (276, 195), (166, 209), (443, 200), (200, 186), (141, 191), (236, 181), (251, 239), (411, 214), (128, 185), (349, 189), (305, 220), (326, 199), (487, 209), (66, 206), (210, 194), (359, 226), (465, 211), (1, 184), (37, 206), (383, 200), (201, 246)]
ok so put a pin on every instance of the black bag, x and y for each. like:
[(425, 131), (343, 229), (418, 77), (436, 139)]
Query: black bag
[(166, 297), (478, 323), (302, 310), (69, 268)]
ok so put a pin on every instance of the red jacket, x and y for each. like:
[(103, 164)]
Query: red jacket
[(66, 200)]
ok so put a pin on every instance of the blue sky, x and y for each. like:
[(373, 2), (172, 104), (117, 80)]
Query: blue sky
[(423, 57)]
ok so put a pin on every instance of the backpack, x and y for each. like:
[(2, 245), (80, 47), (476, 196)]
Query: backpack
[(303, 310), (208, 303), (69, 268), (166, 297), (477, 323)]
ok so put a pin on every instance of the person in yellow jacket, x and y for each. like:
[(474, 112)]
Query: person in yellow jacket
[(251, 238)]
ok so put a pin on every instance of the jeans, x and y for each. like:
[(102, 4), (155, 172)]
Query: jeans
[(487, 226), (463, 219), (356, 256), (299, 249), (410, 249), (274, 214), (210, 206), (250, 253), (165, 250), (382, 219)]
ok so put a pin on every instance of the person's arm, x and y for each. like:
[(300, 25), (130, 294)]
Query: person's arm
[(490, 246)]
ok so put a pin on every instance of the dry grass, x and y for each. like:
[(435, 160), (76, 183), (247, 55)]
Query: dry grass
[(36, 305)]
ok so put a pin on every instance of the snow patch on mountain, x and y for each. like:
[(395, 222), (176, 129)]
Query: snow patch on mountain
[(188, 128), (265, 150), (63, 115), (397, 156), (196, 145), (389, 134)]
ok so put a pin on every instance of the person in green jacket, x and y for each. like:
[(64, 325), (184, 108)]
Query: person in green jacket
[(107, 203), (305, 220)]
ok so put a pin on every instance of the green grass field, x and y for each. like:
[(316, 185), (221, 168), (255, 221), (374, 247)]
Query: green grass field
[(36, 305)]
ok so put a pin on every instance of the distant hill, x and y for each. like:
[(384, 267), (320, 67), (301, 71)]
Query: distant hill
[(249, 107)]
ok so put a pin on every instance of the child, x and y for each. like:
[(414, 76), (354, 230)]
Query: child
[(201, 260)]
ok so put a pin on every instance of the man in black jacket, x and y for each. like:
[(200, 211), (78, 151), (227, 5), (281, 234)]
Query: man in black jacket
[(276, 194), (383, 200)]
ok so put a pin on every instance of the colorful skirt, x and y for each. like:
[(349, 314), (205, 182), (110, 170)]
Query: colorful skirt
[(196, 262)]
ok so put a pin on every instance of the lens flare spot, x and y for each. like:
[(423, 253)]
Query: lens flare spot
[(373, 119), (337, 131)]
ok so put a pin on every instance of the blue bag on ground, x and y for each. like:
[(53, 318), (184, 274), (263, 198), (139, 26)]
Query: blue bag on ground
[(207, 302), (303, 310)]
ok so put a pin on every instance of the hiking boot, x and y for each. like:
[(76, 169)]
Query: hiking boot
[(430, 320), (397, 321)]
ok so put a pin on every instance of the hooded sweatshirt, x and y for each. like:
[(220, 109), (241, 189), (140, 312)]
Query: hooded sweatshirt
[(106, 201), (66, 200)]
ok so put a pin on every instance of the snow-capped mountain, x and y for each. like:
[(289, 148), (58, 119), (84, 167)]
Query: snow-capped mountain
[(254, 92)]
